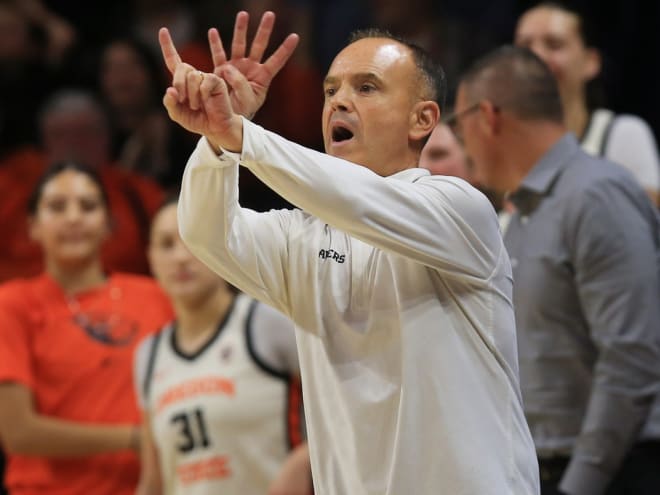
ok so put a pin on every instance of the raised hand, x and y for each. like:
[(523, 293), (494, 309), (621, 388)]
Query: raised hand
[(248, 78), (199, 101)]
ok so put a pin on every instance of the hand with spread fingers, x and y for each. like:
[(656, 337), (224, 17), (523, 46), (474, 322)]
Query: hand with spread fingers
[(210, 103), (247, 77)]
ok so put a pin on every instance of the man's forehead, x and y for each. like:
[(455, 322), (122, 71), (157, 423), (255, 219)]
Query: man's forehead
[(369, 54)]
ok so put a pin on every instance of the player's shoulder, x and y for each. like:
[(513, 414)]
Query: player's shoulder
[(268, 317), (146, 344), (629, 123)]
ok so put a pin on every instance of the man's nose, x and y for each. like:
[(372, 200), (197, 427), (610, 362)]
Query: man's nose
[(341, 100)]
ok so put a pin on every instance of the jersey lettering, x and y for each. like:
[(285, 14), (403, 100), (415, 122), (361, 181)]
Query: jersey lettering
[(207, 469), (194, 388), (332, 254)]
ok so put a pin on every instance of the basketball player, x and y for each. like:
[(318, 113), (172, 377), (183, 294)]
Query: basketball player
[(219, 387)]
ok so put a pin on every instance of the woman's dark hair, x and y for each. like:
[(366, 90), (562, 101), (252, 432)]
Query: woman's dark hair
[(586, 29), (171, 198), (56, 169), (148, 59)]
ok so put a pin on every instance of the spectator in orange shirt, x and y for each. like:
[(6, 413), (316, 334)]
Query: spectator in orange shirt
[(74, 127), (67, 337)]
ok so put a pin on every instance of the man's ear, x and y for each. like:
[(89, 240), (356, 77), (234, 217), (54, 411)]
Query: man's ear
[(490, 120), (423, 119), (593, 64)]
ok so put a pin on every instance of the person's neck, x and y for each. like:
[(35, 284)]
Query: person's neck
[(576, 114), (538, 138), (408, 162), (197, 319), (78, 278)]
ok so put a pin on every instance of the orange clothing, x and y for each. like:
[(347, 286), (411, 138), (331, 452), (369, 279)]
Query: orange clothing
[(133, 201), (75, 355)]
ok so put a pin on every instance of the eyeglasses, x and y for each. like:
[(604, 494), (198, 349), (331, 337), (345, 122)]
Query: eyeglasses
[(453, 120)]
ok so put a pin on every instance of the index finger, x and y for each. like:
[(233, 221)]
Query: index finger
[(217, 51), (170, 55)]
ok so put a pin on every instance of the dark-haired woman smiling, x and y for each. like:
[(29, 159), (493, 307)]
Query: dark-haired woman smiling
[(67, 413)]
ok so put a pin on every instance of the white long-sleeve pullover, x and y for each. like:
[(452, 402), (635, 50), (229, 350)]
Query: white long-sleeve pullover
[(400, 289)]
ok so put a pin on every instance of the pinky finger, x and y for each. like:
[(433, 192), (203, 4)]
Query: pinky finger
[(277, 60)]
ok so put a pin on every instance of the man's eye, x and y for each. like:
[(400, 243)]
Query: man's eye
[(329, 91), (366, 88)]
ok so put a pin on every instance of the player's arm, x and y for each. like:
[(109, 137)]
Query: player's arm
[(615, 253), (26, 432), (150, 482), (295, 476), (150, 478)]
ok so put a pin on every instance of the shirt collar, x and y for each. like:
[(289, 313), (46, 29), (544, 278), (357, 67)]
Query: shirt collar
[(409, 174), (545, 172)]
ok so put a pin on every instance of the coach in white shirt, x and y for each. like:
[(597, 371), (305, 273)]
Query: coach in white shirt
[(398, 281)]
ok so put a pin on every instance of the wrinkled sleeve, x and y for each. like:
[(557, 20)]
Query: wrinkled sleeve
[(246, 248), (441, 222), (615, 246)]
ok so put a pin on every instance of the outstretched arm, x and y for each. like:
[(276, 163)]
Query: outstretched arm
[(248, 78)]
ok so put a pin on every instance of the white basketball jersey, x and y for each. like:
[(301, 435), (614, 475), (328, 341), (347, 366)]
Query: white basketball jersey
[(222, 420)]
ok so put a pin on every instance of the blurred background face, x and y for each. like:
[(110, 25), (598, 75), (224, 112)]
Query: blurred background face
[(368, 104), (80, 135), (15, 40), (444, 155), (185, 279), (71, 221), (124, 77), (554, 35), (470, 129)]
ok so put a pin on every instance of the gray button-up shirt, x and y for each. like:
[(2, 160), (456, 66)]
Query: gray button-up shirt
[(584, 246)]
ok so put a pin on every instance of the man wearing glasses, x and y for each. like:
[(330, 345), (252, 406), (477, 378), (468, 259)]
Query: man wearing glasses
[(584, 247)]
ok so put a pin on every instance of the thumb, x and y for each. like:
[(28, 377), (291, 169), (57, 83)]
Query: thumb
[(237, 82), (215, 98), (171, 103)]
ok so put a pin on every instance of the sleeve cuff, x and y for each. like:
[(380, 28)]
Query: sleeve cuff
[(583, 479), (207, 155)]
